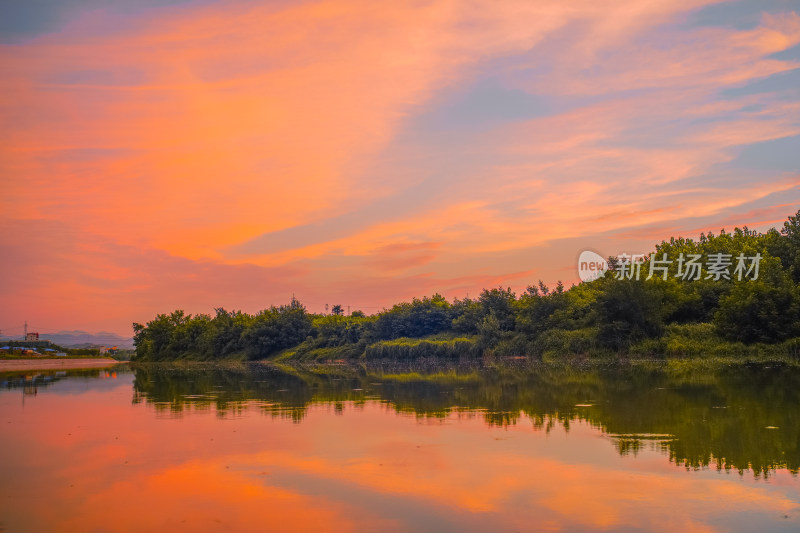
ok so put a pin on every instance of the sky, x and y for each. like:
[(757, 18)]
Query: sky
[(179, 154)]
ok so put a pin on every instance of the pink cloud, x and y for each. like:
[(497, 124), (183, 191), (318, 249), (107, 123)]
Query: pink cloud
[(140, 153)]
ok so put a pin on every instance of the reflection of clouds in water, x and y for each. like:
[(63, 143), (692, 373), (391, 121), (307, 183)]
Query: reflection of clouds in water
[(91, 459), (633, 405)]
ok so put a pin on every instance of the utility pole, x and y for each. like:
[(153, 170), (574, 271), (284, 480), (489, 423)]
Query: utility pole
[(326, 309), (348, 310), (25, 336)]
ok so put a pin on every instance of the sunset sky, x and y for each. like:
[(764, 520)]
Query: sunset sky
[(165, 154)]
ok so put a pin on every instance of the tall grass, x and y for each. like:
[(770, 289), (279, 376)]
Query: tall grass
[(405, 349)]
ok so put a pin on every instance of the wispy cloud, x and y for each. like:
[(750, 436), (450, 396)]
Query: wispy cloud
[(188, 155)]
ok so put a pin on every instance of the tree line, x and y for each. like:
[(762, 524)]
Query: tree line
[(661, 316)]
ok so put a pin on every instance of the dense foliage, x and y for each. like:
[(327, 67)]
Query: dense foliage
[(663, 313)]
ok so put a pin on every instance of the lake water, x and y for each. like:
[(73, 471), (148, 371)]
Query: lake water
[(507, 447)]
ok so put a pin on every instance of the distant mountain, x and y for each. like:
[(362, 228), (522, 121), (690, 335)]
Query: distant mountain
[(69, 339)]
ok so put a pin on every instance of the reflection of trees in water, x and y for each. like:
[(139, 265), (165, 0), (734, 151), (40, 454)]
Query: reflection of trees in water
[(32, 380), (230, 389), (740, 418)]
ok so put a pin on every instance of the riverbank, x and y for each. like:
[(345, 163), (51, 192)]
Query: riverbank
[(11, 365)]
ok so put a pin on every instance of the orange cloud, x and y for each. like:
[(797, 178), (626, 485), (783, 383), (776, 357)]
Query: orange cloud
[(167, 145), (248, 472)]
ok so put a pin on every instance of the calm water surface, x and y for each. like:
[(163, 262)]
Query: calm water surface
[(389, 448)]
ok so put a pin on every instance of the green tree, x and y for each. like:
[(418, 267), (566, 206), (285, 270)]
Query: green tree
[(499, 302), (766, 310), (627, 311), (275, 329), (418, 318)]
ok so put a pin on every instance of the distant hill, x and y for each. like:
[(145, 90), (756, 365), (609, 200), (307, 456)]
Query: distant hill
[(83, 339)]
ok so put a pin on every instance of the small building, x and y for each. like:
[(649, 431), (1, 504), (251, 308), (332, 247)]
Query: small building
[(61, 354), (32, 336)]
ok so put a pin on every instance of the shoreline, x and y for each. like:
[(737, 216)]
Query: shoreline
[(9, 365)]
